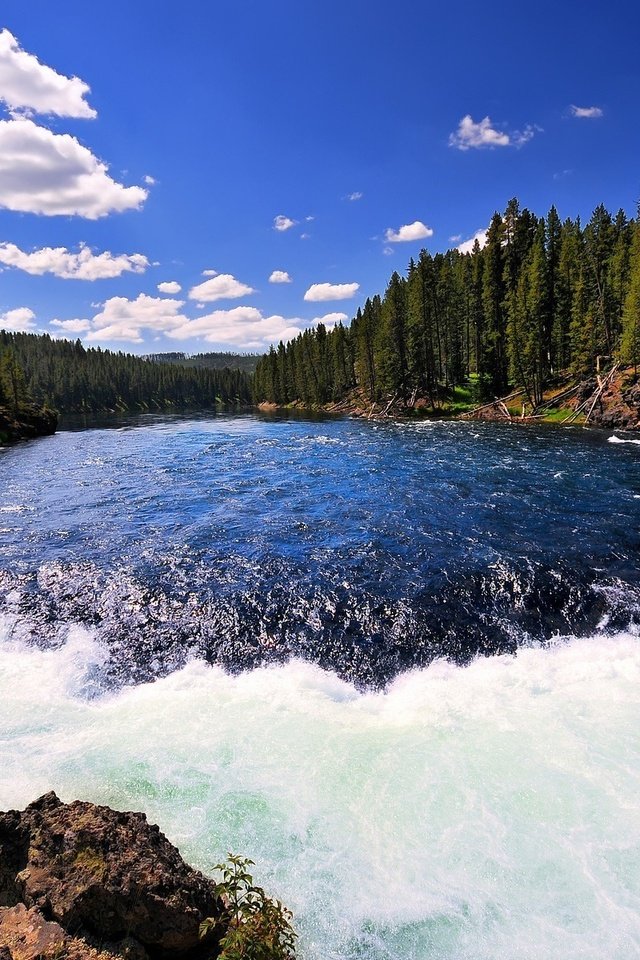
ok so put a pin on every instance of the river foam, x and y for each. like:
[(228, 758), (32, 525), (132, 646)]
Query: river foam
[(481, 812)]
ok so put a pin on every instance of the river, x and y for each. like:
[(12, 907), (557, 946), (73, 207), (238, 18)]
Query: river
[(395, 664)]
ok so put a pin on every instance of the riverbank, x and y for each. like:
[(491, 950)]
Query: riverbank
[(616, 405), (90, 883), (30, 422)]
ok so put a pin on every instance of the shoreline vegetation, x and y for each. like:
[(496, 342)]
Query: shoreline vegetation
[(541, 323), (86, 882), (542, 308), (610, 400)]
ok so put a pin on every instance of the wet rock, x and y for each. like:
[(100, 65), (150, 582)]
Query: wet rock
[(105, 875)]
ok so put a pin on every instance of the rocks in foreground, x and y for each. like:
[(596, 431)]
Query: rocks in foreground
[(84, 881)]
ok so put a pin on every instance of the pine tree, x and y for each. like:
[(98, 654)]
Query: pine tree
[(630, 341)]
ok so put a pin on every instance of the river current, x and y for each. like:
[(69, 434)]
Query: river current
[(395, 664)]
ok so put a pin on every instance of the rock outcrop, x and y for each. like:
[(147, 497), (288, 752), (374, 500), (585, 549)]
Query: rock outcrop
[(619, 407), (29, 423), (79, 877)]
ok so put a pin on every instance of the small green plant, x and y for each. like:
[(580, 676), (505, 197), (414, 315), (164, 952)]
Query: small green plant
[(257, 926)]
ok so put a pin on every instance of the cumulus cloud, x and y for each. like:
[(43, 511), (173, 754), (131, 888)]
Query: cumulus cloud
[(19, 320), (356, 195), (26, 84), (169, 286), (242, 327), (72, 326), (83, 265), (149, 180), (123, 319), (280, 276), (53, 174), (282, 223), (318, 292), (468, 245), (471, 135), (586, 113), (209, 273), (410, 231), (221, 287), (330, 320), (246, 328)]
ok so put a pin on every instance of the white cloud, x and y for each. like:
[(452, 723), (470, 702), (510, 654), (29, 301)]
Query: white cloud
[(221, 287), (330, 320), (246, 328), (53, 174), (280, 276), (318, 292), (27, 84), (282, 223), (305, 236), (243, 327), (309, 219), (387, 251), (209, 273), (83, 265), (122, 319), (411, 231), (467, 246), (483, 134), (72, 326), (169, 286), (149, 180), (589, 113), (356, 195), (19, 320)]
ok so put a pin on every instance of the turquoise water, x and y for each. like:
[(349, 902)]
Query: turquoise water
[(477, 807)]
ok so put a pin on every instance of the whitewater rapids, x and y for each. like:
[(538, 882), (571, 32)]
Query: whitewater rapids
[(485, 812)]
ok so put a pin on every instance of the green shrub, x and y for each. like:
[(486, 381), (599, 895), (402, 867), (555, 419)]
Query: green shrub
[(256, 926)]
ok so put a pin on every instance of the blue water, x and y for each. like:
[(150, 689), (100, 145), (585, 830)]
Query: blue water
[(367, 548), (434, 754)]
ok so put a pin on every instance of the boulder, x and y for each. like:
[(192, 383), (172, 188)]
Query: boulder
[(28, 936), (105, 875)]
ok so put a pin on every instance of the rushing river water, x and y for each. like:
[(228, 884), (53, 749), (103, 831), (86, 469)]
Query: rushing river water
[(269, 634)]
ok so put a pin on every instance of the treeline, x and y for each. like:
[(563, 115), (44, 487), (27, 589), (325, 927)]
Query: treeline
[(209, 361), (542, 297), (71, 378), (14, 396)]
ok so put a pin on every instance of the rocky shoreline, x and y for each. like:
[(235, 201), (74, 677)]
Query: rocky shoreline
[(30, 422), (617, 406), (85, 882)]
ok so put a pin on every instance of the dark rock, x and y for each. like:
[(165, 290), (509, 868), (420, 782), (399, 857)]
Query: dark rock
[(14, 849), (105, 875), (30, 422)]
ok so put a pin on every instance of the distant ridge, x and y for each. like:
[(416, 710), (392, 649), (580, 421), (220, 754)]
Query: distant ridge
[(246, 362)]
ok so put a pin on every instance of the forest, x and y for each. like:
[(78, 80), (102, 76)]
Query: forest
[(542, 298), (66, 376), (210, 361)]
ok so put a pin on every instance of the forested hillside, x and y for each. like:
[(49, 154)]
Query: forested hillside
[(19, 416), (540, 298), (210, 361), (72, 378)]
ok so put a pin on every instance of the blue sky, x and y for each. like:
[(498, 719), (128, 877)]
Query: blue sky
[(364, 130)]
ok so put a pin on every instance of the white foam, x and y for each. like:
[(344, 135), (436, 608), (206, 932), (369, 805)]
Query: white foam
[(482, 812), (615, 439)]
